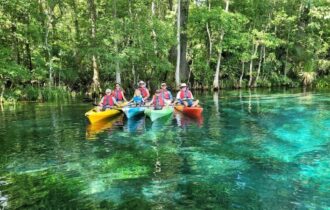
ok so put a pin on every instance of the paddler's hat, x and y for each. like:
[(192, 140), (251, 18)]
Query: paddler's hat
[(157, 91), (183, 85), (141, 83), (163, 84), (108, 90)]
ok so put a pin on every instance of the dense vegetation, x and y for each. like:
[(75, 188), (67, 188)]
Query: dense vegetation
[(53, 47)]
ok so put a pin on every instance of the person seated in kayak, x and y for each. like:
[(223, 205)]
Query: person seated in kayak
[(137, 98), (107, 101), (118, 94), (158, 101), (167, 95), (185, 97), (144, 91)]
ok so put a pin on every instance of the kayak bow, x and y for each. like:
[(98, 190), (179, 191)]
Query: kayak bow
[(94, 116), (190, 111), (155, 114), (133, 111)]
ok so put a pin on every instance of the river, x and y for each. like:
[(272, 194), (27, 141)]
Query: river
[(258, 149)]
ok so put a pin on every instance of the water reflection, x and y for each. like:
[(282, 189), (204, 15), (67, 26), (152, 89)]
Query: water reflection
[(216, 102), (135, 124), (185, 121), (273, 154), (106, 125)]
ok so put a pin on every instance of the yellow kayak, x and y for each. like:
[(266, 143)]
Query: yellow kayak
[(94, 116)]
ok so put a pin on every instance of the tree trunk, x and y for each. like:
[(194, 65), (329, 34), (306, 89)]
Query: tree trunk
[(184, 67), (170, 5), (259, 66), (154, 35), (217, 71), (96, 81), (15, 43), (3, 87), (28, 54), (177, 70), (27, 45), (286, 56), (134, 75), (76, 23), (153, 6), (76, 54), (49, 14), (242, 74), (251, 64), (118, 77), (210, 43)]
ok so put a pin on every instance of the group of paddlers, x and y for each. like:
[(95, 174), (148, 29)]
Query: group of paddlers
[(162, 97)]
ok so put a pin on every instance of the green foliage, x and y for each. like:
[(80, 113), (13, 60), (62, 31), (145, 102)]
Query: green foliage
[(323, 82), (43, 41)]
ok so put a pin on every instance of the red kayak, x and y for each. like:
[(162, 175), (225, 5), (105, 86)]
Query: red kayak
[(190, 111)]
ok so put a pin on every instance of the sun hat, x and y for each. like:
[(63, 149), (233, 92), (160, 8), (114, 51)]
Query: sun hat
[(108, 90), (163, 84), (141, 82), (183, 85), (157, 91)]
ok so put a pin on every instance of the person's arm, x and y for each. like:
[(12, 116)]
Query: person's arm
[(151, 102), (178, 96), (171, 97), (114, 101), (100, 104), (192, 97), (148, 95), (122, 92)]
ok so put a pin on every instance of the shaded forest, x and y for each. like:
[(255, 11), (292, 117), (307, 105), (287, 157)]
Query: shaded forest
[(56, 48)]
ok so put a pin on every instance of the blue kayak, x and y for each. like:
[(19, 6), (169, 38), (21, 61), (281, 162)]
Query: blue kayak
[(133, 111)]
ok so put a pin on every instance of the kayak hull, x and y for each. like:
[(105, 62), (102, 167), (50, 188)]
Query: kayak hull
[(133, 111), (93, 116), (190, 111), (156, 114)]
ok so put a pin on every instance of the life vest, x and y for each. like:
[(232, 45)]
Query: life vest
[(108, 100), (185, 94), (118, 94), (165, 94), (158, 101), (143, 92)]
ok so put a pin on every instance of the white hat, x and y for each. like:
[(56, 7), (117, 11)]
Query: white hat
[(183, 85), (141, 82), (108, 90)]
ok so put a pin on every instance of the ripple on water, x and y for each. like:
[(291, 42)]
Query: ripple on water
[(259, 151)]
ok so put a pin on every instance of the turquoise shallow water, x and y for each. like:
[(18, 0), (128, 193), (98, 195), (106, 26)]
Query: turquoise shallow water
[(250, 150)]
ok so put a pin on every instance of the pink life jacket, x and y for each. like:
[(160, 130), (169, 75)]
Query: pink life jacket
[(185, 94), (143, 92), (118, 94), (108, 100), (158, 101), (165, 94)]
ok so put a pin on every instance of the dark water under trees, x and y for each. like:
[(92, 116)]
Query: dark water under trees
[(252, 150)]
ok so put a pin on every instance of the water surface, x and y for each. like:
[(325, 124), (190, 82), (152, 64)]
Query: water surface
[(250, 150)]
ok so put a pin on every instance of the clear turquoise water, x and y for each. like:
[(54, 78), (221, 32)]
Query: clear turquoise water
[(251, 150)]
